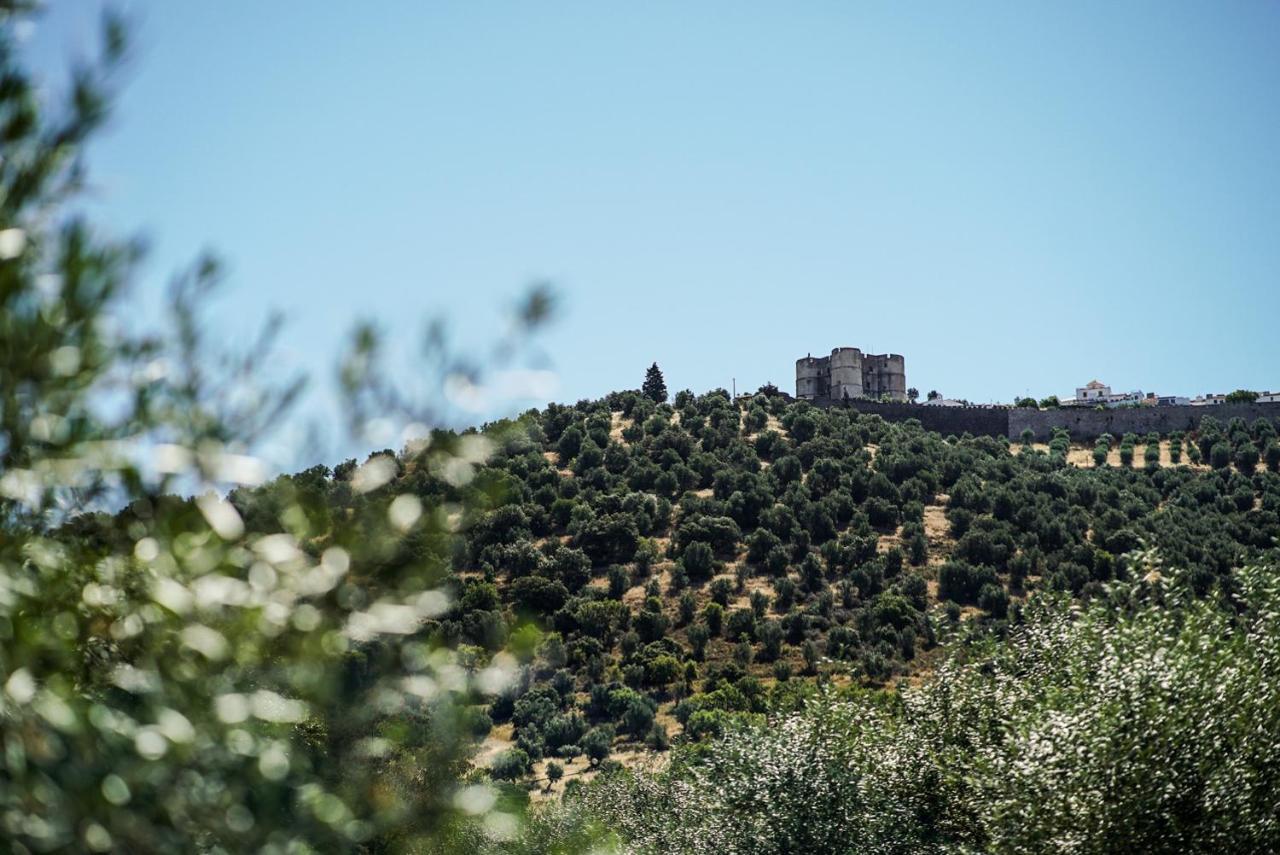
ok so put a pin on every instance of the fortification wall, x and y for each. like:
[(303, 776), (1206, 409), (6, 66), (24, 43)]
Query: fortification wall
[(979, 421), (1082, 424), (1087, 424)]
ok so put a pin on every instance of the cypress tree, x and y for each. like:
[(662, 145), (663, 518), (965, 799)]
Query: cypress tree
[(655, 387)]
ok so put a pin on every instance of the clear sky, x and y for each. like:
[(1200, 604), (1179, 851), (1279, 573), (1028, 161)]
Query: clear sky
[(1016, 196)]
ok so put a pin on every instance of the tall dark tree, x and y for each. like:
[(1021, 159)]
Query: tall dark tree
[(654, 386)]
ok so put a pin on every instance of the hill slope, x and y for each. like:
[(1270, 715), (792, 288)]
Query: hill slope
[(687, 563)]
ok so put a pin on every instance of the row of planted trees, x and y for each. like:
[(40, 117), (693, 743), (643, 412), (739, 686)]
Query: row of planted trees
[(1244, 446)]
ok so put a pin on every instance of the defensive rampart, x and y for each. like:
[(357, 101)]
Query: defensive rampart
[(1083, 424), (979, 421)]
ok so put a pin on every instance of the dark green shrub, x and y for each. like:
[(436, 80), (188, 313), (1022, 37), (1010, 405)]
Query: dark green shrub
[(1220, 455), (993, 600), (538, 594), (698, 636), (1272, 455), (698, 560), (961, 582), (713, 616), (1246, 459), (740, 624), (510, 765)]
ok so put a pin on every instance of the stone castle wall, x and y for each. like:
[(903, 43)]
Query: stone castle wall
[(1083, 424), (979, 421), (1086, 424)]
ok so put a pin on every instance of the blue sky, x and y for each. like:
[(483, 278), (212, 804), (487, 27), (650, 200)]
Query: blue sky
[(1015, 196)]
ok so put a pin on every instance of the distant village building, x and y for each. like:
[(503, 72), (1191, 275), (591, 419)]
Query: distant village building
[(1092, 392), (1172, 401), (1269, 398), (848, 374), (1208, 400), (1098, 394), (1125, 399), (944, 402)]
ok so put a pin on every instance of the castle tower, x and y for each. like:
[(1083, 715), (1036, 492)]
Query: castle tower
[(885, 374), (846, 373), (811, 378)]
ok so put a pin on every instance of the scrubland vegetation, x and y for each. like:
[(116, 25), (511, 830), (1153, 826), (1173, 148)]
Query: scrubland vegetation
[(1144, 722), (815, 626)]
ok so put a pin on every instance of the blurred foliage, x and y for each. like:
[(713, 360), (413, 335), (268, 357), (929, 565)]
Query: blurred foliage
[(176, 677)]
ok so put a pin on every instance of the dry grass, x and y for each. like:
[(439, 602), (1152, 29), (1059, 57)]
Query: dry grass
[(499, 739), (633, 598), (889, 540), (618, 425), (753, 584), (937, 531), (554, 459), (1079, 456), (631, 756)]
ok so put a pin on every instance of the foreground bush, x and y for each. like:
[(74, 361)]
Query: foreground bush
[(209, 674)]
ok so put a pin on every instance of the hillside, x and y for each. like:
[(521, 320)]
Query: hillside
[(617, 599), (687, 564)]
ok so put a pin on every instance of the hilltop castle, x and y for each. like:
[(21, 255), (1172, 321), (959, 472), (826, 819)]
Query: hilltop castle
[(848, 373)]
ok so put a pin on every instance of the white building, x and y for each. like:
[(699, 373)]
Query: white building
[(1093, 392), (1098, 394), (1269, 398), (1124, 399)]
